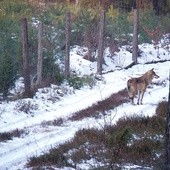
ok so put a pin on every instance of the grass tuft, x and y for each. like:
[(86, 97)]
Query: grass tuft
[(9, 135), (162, 109)]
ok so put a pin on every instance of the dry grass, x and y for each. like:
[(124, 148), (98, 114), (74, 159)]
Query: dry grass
[(10, 135), (55, 122), (162, 109), (135, 140), (113, 101)]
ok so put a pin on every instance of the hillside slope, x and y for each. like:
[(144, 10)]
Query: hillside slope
[(39, 134), (38, 138)]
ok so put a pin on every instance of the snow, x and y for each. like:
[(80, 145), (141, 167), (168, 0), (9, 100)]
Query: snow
[(53, 103)]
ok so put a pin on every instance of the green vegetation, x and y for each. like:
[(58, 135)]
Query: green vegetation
[(79, 82), (137, 140), (84, 32)]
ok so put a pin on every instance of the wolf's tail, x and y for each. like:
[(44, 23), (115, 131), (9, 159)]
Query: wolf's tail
[(128, 85), (129, 88)]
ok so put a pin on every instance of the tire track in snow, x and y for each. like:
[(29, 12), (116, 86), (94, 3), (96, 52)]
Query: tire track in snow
[(63, 109), (38, 145), (21, 151)]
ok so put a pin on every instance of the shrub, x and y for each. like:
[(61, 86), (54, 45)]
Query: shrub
[(152, 125), (52, 71), (118, 27), (25, 106), (134, 140), (9, 45), (55, 157), (75, 82), (9, 135), (144, 152), (8, 74), (78, 82), (5, 136), (162, 109), (56, 122)]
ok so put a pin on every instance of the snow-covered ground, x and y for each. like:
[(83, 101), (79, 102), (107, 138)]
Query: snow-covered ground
[(39, 137)]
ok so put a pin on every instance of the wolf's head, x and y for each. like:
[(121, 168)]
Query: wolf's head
[(153, 74)]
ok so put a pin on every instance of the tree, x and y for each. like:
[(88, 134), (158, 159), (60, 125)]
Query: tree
[(9, 47), (40, 54), (25, 53), (167, 133), (10, 53), (135, 35), (67, 56), (160, 6)]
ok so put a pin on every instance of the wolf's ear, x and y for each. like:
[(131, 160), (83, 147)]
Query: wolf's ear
[(152, 69)]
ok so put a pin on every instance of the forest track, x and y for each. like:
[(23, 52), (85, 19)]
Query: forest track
[(15, 153)]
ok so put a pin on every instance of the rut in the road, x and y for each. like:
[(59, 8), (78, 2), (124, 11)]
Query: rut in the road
[(111, 102)]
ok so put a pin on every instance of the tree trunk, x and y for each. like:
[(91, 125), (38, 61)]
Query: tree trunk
[(67, 56), (40, 54), (100, 60), (135, 35), (25, 53), (167, 134)]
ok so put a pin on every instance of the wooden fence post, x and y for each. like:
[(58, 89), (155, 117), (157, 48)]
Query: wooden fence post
[(67, 55), (100, 59), (40, 54), (135, 35), (25, 53)]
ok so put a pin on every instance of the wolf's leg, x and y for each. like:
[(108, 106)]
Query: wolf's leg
[(142, 94), (139, 94), (131, 100)]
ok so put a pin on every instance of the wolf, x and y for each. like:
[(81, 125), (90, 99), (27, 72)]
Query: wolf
[(138, 85)]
